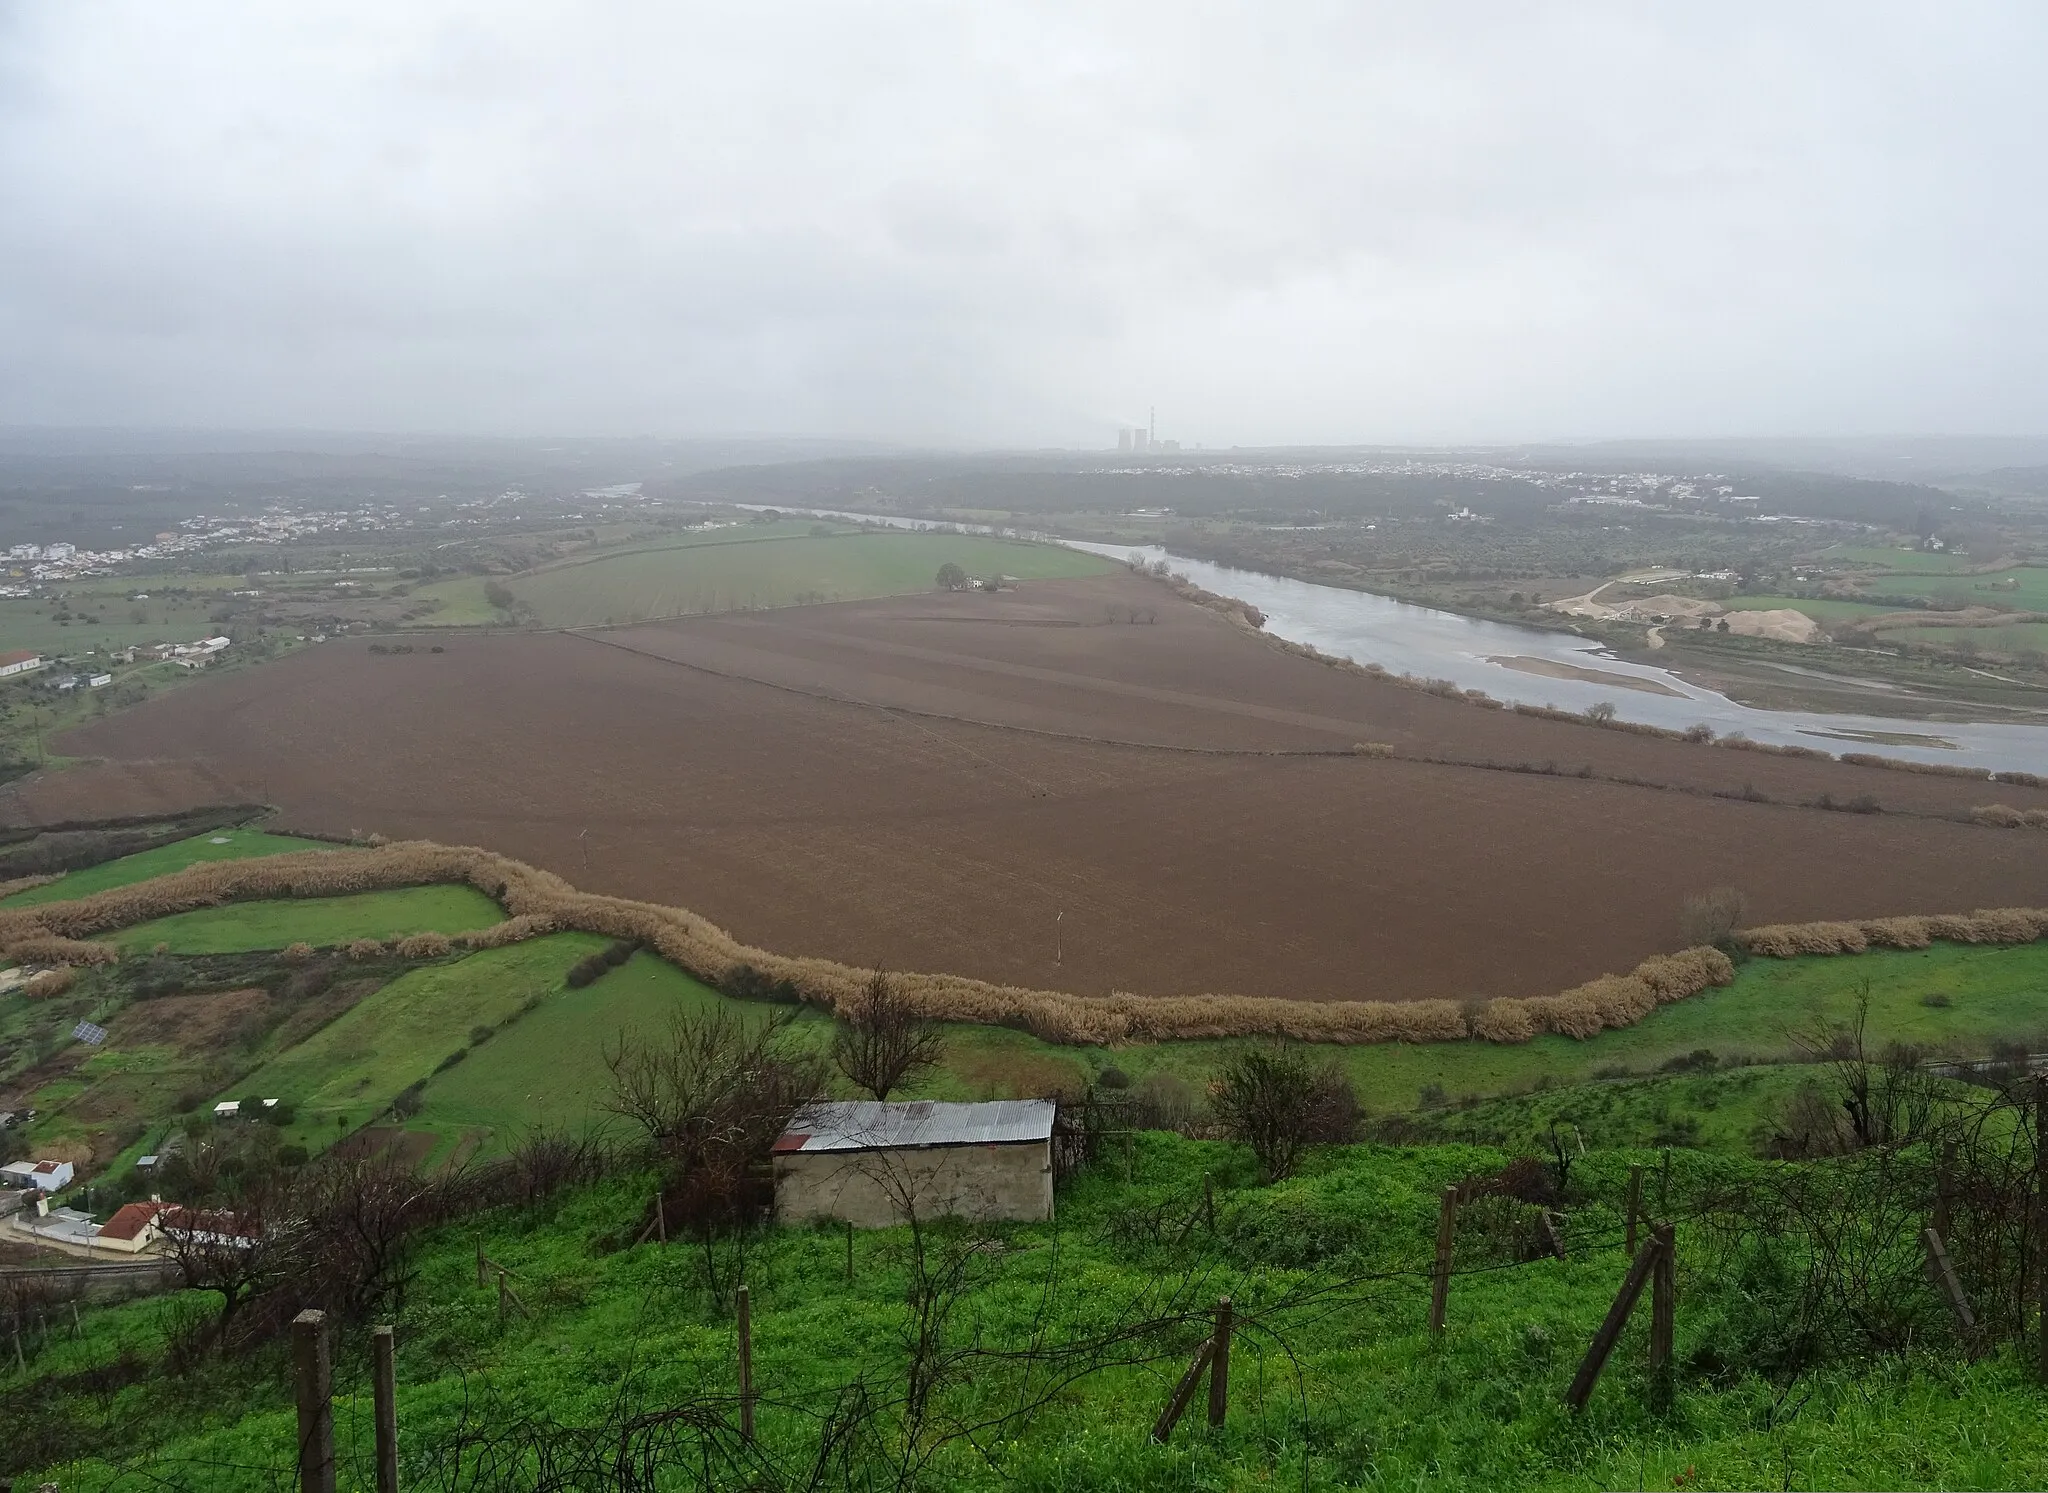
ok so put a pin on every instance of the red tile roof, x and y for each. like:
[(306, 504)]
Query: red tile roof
[(129, 1220)]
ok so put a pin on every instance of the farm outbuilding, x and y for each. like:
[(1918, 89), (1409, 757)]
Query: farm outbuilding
[(873, 1164)]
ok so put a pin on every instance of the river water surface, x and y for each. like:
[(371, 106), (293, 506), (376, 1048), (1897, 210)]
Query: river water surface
[(1404, 638)]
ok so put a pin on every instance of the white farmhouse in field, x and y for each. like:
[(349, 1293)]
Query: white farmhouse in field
[(19, 662), (876, 1164), (44, 1176)]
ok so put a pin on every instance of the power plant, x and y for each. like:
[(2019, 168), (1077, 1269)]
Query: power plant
[(1137, 440)]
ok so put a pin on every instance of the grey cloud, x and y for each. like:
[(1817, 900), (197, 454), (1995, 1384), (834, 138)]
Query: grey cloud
[(1024, 222)]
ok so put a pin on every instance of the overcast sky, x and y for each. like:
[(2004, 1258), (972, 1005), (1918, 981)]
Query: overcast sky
[(983, 222)]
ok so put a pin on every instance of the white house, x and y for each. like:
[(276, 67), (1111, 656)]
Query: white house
[(20, 661), (46, 1176), (94, 681)]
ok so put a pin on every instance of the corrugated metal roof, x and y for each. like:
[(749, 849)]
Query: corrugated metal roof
[(863, 1125)]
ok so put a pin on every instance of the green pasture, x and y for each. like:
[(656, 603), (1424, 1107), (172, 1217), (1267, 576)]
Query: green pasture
[(672, 580), (462, 603), (547, 1068), (1993, 993), (320, 921), (2023, 587), (216, 845), (102, 617), (1904, 561), (352, 1068), (1336, 1381), (2012, 637)]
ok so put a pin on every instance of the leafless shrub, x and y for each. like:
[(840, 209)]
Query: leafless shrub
[(1901, 764), (711, 1098), (424, 946), (365, 948), (885, 1042), (297, 953), (1706, 918), (1278, 1101)]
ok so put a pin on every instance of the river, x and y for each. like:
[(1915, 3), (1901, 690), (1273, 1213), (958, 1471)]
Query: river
[(1404, 638)]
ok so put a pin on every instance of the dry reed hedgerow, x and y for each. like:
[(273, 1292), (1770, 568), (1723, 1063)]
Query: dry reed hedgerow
[(540, 902), (2003, 816), (28, 883), (52, 949), (424, 946), (1998, 925), (1900, 764)]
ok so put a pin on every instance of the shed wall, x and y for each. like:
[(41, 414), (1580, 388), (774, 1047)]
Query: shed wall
[(867, 1188)]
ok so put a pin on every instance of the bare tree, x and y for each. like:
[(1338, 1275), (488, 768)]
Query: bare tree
[(885, 1043), (1279, 1103), (1708, 918), (712, 1098)]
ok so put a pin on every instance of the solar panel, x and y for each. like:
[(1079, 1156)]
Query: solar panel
[(89, 1034)]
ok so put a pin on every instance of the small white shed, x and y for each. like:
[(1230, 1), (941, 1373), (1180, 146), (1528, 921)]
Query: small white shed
[(874, 1164)]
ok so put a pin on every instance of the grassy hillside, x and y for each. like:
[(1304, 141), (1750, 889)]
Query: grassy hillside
[(547, 1068), (351, 1069), (1335, 1380), (696, 577)]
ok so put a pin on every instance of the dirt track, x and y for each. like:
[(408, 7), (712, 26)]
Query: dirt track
[(865, 832)]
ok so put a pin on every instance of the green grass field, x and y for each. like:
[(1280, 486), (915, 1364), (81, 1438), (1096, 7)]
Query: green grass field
[(462, 603), (2024, 587), (1335, 1383), (320, 921), (1907, 561), (677, 579), (27, 622), (216, 845), (2013, 637), (547, 1068), (352, 1068), (1994, 993)]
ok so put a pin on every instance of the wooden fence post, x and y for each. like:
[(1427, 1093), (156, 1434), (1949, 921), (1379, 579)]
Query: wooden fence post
[(1546, 1224), (76, 1330), (384, 1401), (2041, 1217), (479, 1259), (1219, 1364), (746, 1326), (313, 1375), (1943, 1275), (1446, 1238), (1182, 1393), (1663, 1312), (1944, 1190), (1209, 1202), (1635, 1206), (1610, 1330), (661, 1219)]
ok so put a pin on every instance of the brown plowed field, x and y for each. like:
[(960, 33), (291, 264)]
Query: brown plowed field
[(942, 783)]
